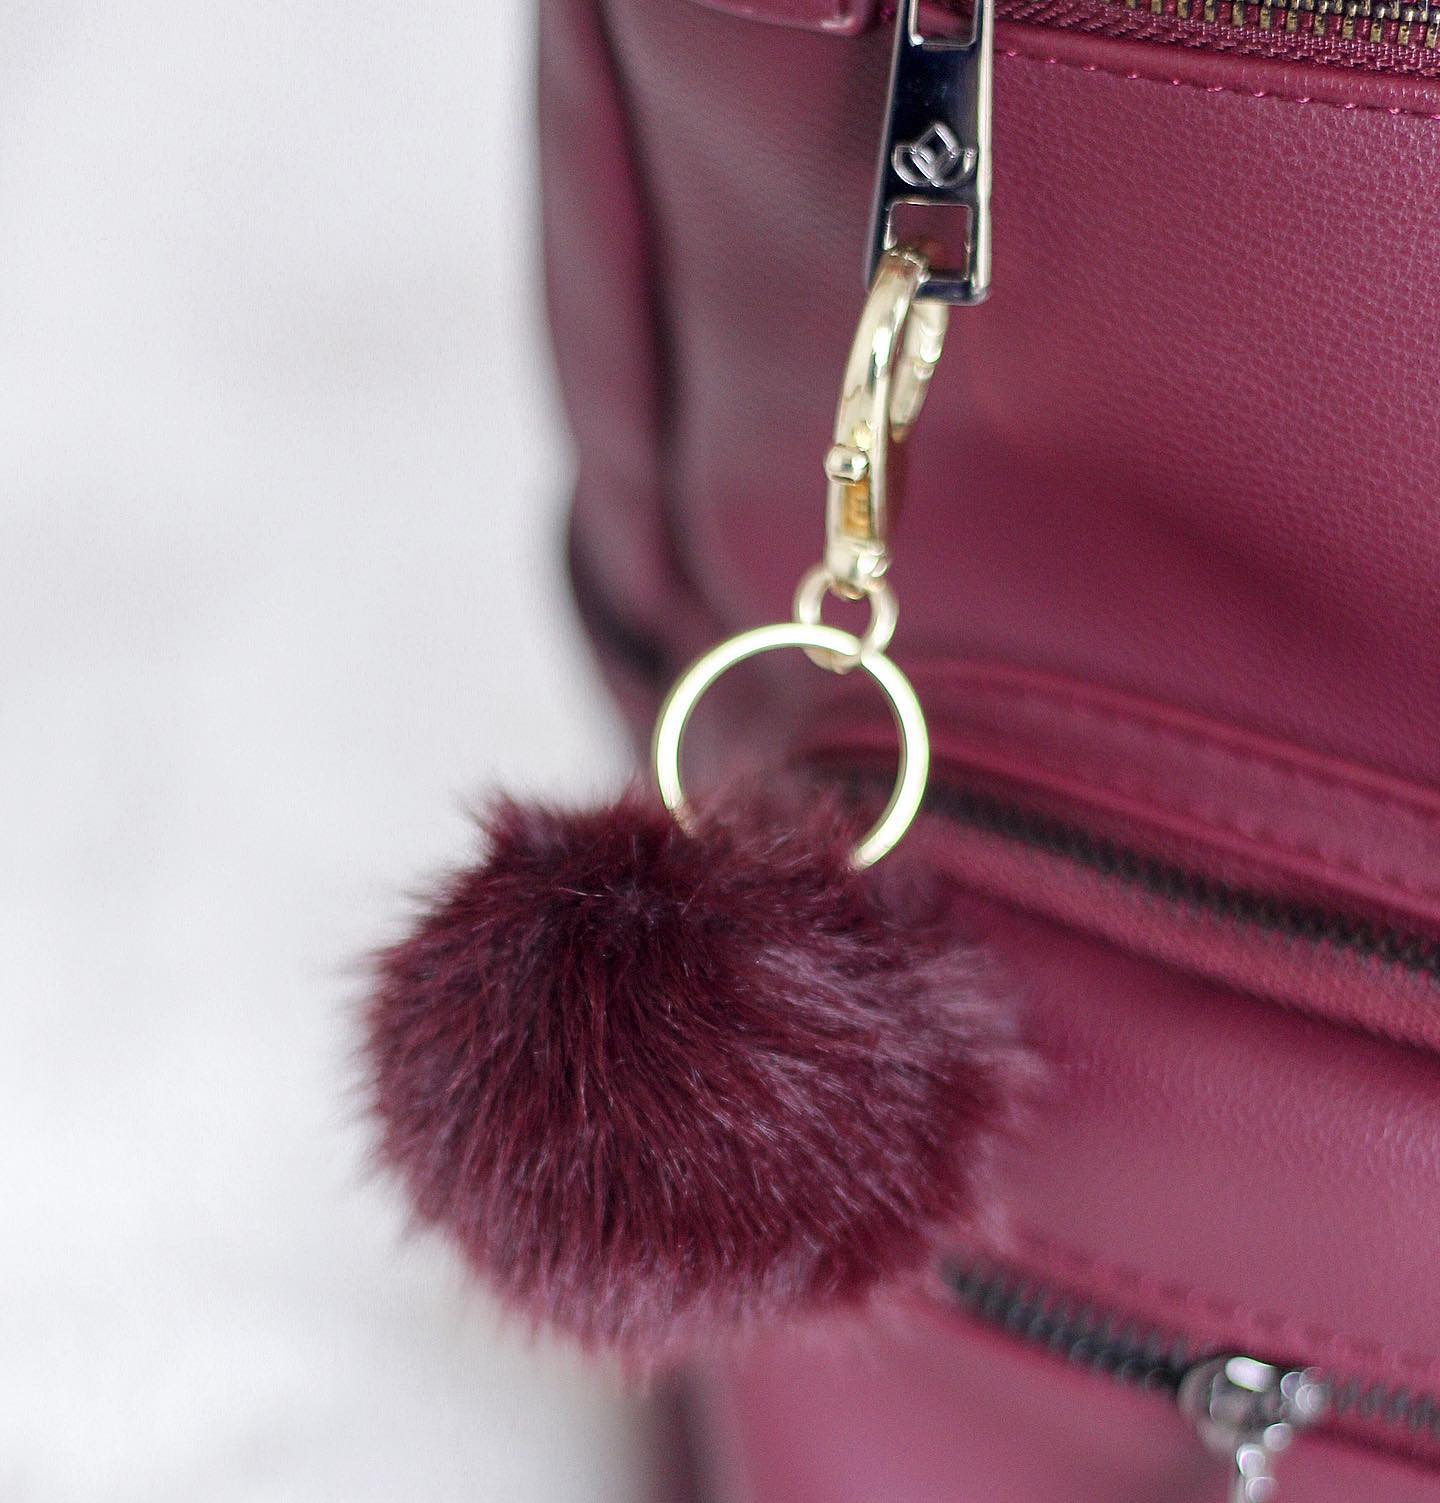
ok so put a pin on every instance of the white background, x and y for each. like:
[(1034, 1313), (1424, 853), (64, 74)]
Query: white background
[(279, 591)]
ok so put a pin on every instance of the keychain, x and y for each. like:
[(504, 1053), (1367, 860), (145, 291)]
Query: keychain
[(672, 1071)]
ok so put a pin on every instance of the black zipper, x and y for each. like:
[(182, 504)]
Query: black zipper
[(1386, 944), (1109, 1344), (1074, 1330), (1248, 907)]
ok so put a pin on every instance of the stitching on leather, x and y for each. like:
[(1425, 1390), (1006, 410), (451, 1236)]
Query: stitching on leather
[(1132, 76), (1306, 778), (1331, 862), (1199, 736), (1319, 1340)]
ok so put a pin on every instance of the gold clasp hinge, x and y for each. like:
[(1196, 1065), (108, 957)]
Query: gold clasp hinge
[(897, 346)]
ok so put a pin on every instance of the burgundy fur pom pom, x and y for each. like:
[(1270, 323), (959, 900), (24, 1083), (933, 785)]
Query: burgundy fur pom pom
[(664, 1087)]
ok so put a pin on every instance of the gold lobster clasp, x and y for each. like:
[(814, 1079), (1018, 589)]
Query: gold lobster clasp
[(896, 348)]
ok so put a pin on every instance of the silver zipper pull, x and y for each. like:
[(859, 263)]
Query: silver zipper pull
[(1249, 1411), (936, 148)]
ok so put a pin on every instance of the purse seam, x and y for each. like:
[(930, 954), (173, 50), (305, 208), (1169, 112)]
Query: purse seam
[(1319, 1340), (1132, 76), (1153, 720), (1341, 864)]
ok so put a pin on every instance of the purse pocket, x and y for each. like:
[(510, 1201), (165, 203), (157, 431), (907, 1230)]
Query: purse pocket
[(956, 1407), (1268, 868), (1208, 1177)]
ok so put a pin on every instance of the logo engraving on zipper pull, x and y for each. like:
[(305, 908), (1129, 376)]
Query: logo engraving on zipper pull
[(935, 159), (935, 153)]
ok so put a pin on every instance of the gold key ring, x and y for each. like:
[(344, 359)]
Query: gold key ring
[(914, 769)]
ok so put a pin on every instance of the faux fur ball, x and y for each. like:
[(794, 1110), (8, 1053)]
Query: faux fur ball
[(663, 1087)]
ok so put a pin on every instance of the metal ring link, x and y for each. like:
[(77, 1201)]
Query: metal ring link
[(884, 615), (909, 718)]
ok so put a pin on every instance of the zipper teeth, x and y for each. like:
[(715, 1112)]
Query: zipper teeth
[(1383, 37), (1144, 1356), (1419, 1413), (1081, 1333), (1383, 943), (1379, 22)]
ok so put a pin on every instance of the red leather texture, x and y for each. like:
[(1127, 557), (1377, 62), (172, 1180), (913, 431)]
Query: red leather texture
[(604, 311), (1169, 567), (1171, 454), (1240, 1173)]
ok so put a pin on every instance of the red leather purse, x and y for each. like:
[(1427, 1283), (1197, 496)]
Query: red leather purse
[(1171, 570)]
